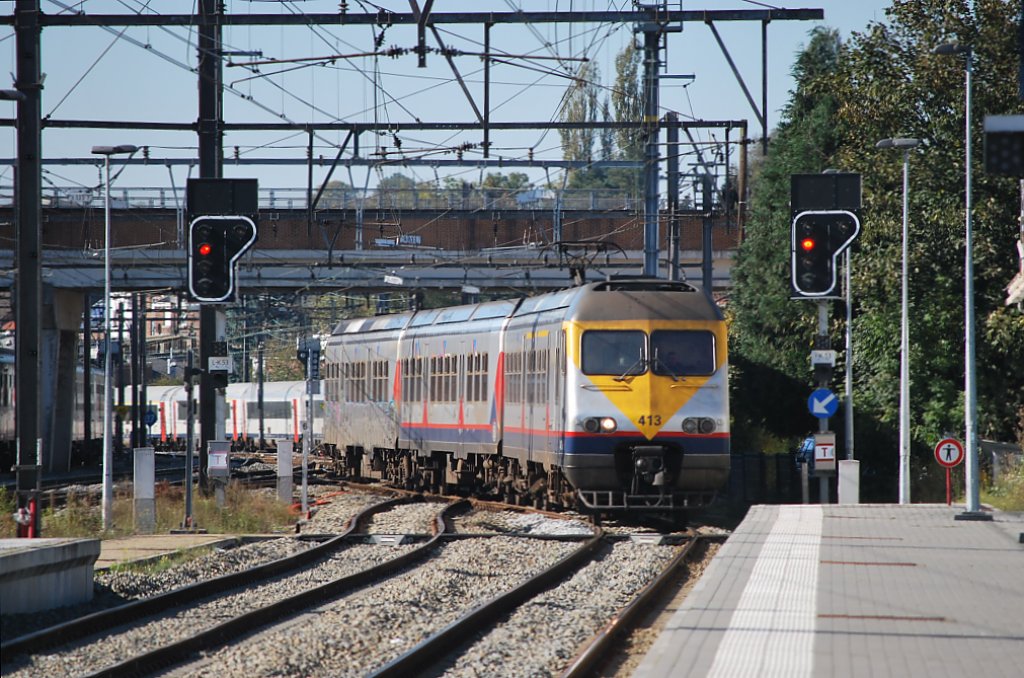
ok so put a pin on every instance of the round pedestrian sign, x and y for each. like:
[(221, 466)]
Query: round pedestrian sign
[(149, 417), (949, 452)]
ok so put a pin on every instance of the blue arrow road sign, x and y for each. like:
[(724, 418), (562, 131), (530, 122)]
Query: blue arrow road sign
[(823, 403), (150, 417)]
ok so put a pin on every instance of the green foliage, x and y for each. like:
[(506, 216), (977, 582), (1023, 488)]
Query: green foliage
[(1008, 493), (580, 104), (770, 335), (513, 181), (886, 82)]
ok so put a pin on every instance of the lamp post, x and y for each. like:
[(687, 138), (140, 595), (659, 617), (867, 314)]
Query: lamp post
[(970, 372), (108, 452), (905, 144)]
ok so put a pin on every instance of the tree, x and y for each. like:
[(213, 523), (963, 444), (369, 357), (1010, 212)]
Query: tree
[(580, 104), (335, 194), (628, 102), (513, 181), (771, 335), (886, 82), (891, 84)]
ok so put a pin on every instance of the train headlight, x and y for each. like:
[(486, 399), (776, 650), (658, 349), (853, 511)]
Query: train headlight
[(703, 425), (600, 425)]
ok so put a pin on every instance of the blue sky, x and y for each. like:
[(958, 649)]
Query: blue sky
[(142, 74)]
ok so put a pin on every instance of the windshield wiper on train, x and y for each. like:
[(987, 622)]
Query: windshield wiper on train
[(658, 362), (629, 371)]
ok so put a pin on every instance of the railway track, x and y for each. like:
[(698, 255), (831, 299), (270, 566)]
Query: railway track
[(480, 583)]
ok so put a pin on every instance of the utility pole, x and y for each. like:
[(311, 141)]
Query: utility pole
[(29, 245), (652, 44), (211, 159), (672, 162)]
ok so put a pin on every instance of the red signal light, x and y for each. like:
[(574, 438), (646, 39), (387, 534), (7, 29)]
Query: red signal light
[(205, 249), (807, 244)]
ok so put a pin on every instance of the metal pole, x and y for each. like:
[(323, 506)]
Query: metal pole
[(673, 197), (651, 42), (971, 395), (259, 391), (108, 451), (848, 405), (708, 207), (308, 438), (187, 523), (904, 472)]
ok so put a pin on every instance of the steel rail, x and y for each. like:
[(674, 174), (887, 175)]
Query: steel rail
[(602, 644), (216, 636), (448, 639), (122, 614)]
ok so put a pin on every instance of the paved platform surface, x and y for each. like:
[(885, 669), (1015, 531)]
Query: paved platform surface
[(145, 547), (867, 590)]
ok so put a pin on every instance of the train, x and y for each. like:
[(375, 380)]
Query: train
[(8, 446), (285, 405), (607, 397)]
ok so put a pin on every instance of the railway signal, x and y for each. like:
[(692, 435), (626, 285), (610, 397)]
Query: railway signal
[(818, 237), (215, 243)]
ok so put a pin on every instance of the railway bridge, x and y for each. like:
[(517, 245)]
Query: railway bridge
[(480, 240)]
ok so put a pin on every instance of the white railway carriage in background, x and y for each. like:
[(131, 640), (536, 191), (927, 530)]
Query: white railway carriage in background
[(284, 411), (609, 396)]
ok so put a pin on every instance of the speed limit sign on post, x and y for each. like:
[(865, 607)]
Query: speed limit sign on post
[(949, 452)]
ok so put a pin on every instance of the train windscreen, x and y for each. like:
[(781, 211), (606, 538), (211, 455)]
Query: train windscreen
[(617, 352), (683, 353)]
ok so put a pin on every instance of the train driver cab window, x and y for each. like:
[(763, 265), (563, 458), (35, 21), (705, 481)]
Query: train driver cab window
[(683, 353), (615, 352)]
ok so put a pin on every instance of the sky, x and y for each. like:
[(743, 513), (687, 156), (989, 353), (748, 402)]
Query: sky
[(143, 74)]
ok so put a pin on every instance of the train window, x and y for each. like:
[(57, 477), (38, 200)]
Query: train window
[(682, 353), (614, 352), (514, 377), (476, 377), (379, 381)]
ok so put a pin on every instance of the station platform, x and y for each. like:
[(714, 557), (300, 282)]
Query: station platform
[(41, 574), (144, 547), (854, 590)]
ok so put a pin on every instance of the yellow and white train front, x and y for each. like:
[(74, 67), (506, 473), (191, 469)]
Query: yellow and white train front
[(647, 411)]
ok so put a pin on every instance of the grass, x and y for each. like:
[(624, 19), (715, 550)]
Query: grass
[(245, 511), (1008, 495), (163, 563)]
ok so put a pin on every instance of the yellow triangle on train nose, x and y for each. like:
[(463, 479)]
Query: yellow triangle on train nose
[(648, 401)]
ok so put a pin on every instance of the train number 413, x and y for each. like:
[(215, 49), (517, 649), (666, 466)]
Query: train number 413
[(649, 420)]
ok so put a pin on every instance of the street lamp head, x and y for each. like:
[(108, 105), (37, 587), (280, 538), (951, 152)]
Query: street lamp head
[(114, 150), (900, 142), (952, 48)]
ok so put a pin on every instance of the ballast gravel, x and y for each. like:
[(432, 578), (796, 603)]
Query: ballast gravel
[(554, 624), (362, 632), (516, 522), (83, 657)]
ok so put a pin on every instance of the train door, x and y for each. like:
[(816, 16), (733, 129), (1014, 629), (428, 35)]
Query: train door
[(459, 387), (558, 396)]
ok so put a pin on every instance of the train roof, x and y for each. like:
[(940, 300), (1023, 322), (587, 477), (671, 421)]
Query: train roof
[(603, 300)]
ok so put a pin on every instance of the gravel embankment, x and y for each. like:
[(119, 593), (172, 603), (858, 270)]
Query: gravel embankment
[(541, 637), (361, 632), (89, 655), (117, 586)]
